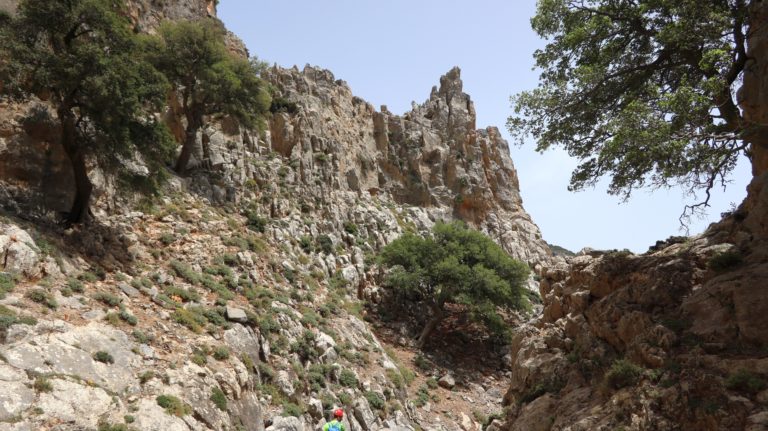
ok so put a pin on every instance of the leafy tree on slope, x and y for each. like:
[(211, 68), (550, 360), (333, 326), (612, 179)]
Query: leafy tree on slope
[(81, 57), (458, 265), (207, 77), (642, 91)]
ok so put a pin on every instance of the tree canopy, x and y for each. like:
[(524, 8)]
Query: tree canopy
[(642, 91), (457, 265), (208, 79), (82, 57)]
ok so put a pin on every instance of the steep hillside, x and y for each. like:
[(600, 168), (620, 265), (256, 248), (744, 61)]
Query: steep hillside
[(237, 299)]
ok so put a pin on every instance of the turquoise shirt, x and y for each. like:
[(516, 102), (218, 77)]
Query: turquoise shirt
[(334, 422)]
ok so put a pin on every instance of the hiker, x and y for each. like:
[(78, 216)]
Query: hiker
[(335, 424)]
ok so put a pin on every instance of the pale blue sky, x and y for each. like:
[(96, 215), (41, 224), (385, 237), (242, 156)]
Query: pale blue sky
[(392, 52)]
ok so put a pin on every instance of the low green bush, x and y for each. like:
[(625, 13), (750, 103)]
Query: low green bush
[(623, 373)]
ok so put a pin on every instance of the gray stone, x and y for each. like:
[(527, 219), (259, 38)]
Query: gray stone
[(236, 314), (280, 423), (284, 382), (315, 408), (243, 341), (129, 290), (15, 397), (363, 414), (447, 381)]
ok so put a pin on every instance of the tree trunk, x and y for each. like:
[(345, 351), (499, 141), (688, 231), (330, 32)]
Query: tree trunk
[(437, 317), (194, 122), (83, 186)]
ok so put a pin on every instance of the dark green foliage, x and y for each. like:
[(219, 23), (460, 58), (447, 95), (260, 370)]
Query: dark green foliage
[(305, 243), (219, 399), (42, 384), (128, 317), (375, 400), (75, 285), (8, 318), (193, 318), (622, 374), (724, 261), (106, 426), (350, 228), (221, 353), (167, 238), (283, 105), (185, 271), (210, 80), (186, 295), (90, 70), (7, 284), (104, 357), (107, 299), (41, 296), (458, 265), (173, 405), (146, 376), (305, 346), (88, 277), (642, 91), (292, 409), (266, 372), (347, 378), (256, 222), (325, 244), (745, 381)]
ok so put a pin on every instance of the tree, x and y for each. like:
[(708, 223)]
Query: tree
[(458, 265), (642, 91), (81, 57), (208, 79)]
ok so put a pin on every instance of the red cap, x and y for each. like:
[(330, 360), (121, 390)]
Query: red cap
[(339, 413)]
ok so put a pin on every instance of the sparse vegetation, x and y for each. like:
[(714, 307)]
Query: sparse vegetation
[(7, 284), (219, 399), (104, 357), (347, 378), (107, 299), (42, 384), (42, 296), (173, 405), (623, 373), (745, 381), (725, 261)]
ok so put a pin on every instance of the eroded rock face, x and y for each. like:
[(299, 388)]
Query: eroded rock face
[(685, 323), (432, 157)]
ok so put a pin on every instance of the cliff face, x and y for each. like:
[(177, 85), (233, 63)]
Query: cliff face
[(432, 157), (671, 340)]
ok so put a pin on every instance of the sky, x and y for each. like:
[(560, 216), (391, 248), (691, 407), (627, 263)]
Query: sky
[(392, 53)]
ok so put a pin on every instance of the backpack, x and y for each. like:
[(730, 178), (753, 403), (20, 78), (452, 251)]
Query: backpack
[(334, 426)]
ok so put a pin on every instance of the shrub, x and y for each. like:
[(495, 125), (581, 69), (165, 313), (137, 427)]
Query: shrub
[(291, 409), (173, 405), (186, 295), (167, 238), (622, 374), (350, 228), (347, 378), (7, 284), (267, 372), (325, 244), (185, 271), (146, 376), (191, 318), (128, 317), (42, 384), (432, 383), (104, 357), (221, 353), (305, 346), (724, 261), (88, 277), (107, 299), (256, 222), (106, 426), (745, 381), (219, 399), (41, 296), (305, 243), (375, 400)]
